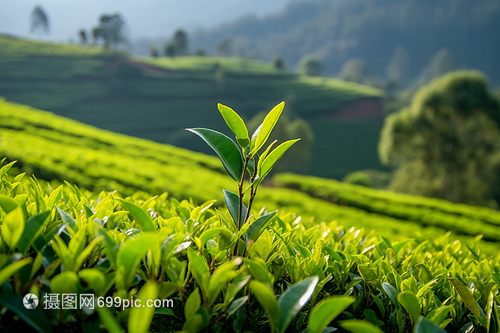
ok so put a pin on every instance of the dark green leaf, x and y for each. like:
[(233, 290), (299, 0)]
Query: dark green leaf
[(293, 299), (466, 295), (233, 205), (34, 317), (425, 326), (32, 230), (227, 150), (257, 226)]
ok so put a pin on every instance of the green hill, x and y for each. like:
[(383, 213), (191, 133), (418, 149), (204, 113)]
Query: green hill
[(158, 98), (55, 148)]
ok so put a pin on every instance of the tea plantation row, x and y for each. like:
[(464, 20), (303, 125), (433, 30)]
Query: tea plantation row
[(460, 218), (293, 274), (158, 98), (57, 149)]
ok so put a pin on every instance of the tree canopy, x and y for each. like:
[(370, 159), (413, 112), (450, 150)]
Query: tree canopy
[(447, 143), (111, 30), (39, 20)]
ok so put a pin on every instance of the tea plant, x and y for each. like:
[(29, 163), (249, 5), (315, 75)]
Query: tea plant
[(242, 157)]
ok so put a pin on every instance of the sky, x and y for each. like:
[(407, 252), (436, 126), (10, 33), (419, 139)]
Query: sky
[(145, 18)]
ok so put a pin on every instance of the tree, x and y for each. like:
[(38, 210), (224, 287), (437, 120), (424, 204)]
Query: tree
[(153, 51), (200, 52), (441, 63), (82, 34), (278, 62), (39, 20), (224, 48), (447, 143), (170, 50), (309, 65), (356, 70), (180, 41), (398, 66), (111, 30)]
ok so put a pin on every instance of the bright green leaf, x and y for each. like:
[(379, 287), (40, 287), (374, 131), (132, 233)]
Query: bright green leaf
[(32, 230), (266, 298), (13, 227), (262, 133), (409, 301), (236, 124), (360, 326), (143, 219), (141, 316), (325, 311)]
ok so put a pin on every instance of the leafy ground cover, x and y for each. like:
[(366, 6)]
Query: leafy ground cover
[(291, 274), (158, 98), (58, 149)]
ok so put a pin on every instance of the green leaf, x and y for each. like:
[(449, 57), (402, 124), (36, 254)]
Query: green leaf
[(236, 304), (233, 205), (32, 230), (293, 299), (7, 203), (227, 150), (142, 218), (141, 316), (273, 157), (225, 235), (221, 277), (440, 314), (34, 317), (266, 298), (425, 326), (262, 133), (466, 295), (192, 305), (391, 293), (259, 270), (65, 282), (67, 219), (409, 301), (257, 226), (95, 279), (130, 254), (7, 272), (109, 320), (236, 124), (199, 269), (13, 227), (360, 326), (325, 311), (110, 246)]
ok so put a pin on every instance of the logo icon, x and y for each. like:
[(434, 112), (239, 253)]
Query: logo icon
[(30, 301)]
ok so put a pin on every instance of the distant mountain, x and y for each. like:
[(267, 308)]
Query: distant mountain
[(338, 30)]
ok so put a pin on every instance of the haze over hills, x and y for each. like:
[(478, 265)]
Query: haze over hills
[(336, 31)]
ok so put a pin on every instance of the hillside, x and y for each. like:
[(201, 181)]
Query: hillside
[(336, 31), (157, 99), (56, 149)]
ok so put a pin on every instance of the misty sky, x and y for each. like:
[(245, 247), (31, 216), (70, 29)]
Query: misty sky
[(145, 18)]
